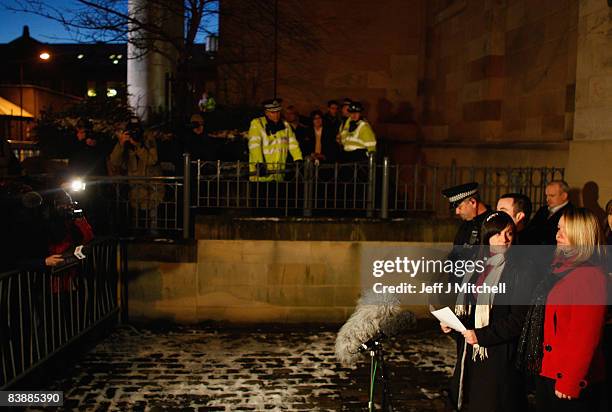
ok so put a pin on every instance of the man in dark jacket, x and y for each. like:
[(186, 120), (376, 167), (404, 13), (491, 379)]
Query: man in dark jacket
[(332, 119), (542, 229), (518, 206), (465, 200), (198, 143), (88, 153)]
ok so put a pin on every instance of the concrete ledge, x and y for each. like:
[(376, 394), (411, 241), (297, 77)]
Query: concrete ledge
[(162, 250), (410, 229)]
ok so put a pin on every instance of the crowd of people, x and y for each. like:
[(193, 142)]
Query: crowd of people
[(281, 135), (549, 333), (341, 134)]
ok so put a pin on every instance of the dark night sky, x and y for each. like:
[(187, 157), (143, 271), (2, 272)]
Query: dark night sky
[(11, 25)]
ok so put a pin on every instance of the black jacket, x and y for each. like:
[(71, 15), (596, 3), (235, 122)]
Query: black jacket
[(201, 146), (494, 384), (329, 146), (88, 160), (542, 230), (467, 238)]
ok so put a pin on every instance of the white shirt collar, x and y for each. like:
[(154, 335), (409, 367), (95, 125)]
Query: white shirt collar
[(555, 209)]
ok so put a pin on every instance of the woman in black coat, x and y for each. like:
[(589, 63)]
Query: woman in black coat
[(319, 141), (485, 378)]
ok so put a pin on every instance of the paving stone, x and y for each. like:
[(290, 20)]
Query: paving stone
[(208, 369)]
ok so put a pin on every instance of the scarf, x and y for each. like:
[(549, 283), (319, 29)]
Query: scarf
[(529, 353), (273, 128), (353, 125), (484, 302)]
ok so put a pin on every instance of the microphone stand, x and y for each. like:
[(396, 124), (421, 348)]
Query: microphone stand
[(377, 362)]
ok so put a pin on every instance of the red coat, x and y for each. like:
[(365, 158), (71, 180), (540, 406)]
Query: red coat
[(573, 327)]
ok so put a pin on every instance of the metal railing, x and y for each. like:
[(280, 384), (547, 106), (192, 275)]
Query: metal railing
[(24, 149), (357, 187), (134, 205), (42, 311), (138, 204)]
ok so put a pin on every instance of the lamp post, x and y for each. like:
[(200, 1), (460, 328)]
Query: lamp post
[(43, 56)]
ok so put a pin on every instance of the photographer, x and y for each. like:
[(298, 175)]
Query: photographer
[(135, 154)]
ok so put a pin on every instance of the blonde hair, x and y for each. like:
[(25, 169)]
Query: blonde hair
[(584, 234)]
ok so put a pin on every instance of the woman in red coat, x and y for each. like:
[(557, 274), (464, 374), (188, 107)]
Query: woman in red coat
[(562, 337)]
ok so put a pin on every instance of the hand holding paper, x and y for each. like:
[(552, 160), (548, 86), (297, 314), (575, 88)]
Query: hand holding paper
[(448, 317)]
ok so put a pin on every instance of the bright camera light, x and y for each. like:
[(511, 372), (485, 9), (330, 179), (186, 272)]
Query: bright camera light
[(111, 92), (77, 185)]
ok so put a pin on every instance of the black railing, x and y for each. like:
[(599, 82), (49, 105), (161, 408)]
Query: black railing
[(162, 206), (362, 187), (42, 311), (24, 149)]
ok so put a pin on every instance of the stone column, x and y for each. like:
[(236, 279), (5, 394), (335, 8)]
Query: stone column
[(150, 59), (590, 154)]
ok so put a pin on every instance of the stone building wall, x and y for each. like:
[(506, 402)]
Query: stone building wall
[(500, 70), (474, 82), (326, 50), (590, 153)]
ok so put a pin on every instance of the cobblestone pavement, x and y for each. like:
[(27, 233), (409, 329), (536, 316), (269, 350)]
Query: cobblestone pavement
[(213, 369)]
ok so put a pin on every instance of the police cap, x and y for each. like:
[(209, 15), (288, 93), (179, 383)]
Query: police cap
[(355, 107), (272, 105), (458, 194)]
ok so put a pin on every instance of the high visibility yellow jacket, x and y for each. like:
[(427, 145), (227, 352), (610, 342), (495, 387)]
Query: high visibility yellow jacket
[(362, 137), (271, 149)]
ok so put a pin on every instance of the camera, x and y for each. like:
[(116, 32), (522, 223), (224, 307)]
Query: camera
[(66, 207), (134, 130)]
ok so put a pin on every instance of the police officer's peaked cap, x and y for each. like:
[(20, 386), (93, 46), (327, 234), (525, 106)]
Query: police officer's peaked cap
[(458, 194), (355, 107), (272, 105), (346, 101)]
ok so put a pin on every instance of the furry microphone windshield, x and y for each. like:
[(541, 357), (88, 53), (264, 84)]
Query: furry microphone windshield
[(374, 314)]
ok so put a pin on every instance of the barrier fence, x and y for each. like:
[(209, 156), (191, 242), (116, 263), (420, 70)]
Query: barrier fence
[(374, 189), (164, 205), (42, 311)]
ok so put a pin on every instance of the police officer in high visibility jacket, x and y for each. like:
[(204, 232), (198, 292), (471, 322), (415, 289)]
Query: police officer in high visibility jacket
[(270, 141), (356, 136)]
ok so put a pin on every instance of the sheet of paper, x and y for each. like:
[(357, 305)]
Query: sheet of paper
[(448, 317)]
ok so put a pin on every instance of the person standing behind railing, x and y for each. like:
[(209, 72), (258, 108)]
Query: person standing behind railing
[(319, 141), (135, 154), (270, 141), (197, 142), (357, 137), (87, 152)]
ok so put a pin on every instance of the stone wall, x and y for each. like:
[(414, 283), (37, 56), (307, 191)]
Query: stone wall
[(590, 153), (500, 70), (251, 270), (254, 281), (326, 50)]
